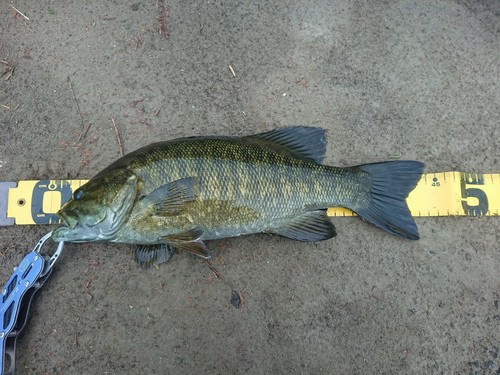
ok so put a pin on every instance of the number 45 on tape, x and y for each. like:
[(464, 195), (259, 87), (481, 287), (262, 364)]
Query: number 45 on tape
[(436, 194)]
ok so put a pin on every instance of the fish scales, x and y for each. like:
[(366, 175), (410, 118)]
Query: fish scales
[(223, 166)]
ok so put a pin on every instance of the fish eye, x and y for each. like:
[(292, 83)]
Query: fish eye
[(77, 194)]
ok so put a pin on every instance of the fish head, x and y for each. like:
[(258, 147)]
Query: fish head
[(98, 209)]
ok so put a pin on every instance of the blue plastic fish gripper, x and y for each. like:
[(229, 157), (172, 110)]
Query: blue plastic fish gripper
[(16, 298)]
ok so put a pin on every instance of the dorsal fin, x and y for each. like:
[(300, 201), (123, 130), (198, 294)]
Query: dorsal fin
[(302, 142)]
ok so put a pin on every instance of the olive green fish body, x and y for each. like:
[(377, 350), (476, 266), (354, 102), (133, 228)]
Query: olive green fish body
[(181, 192), (242, 187)]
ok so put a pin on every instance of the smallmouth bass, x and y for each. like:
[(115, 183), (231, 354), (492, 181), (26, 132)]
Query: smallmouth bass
[(179, 193)]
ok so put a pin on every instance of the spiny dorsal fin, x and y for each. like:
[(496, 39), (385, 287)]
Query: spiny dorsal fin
[(153, 255), (310, 227), (301, 142)]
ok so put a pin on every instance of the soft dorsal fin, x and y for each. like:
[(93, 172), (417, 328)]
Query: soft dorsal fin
[(302, 142)]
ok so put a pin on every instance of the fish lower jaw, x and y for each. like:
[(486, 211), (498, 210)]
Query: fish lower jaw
[(78, 235), (59, 234)]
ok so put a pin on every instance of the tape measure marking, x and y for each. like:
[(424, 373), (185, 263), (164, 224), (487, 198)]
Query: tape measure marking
[(4, 196), (36, 202)]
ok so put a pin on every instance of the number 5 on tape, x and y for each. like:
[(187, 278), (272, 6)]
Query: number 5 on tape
[(456, 194)]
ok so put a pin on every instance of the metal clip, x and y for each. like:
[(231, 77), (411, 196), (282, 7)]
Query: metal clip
[(50, 261), (16, 298)]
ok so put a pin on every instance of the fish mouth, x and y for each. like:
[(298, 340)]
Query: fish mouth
[(69, 218)]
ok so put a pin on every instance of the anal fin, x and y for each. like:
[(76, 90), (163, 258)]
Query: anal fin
[(312, 226)]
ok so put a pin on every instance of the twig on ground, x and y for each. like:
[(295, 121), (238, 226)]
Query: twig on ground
[(162, 18), (117, 136), (9, 107), (76, 102), (9, 70), (84, 133), (19, 12), (237, 299), (213, 269)]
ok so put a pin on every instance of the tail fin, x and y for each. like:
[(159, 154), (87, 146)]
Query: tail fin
[(391, 182)]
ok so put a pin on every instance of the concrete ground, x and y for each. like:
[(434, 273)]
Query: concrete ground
[(413, 79)]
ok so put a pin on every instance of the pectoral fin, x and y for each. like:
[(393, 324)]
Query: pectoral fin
[(170, 199), (153, 255), (190, 241), (310, 227)]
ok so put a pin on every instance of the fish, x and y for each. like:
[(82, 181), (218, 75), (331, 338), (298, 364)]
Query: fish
[(180, 193)]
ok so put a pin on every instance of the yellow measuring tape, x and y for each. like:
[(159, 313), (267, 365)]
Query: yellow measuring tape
[(34, 201), (436, 194), (450, 194)]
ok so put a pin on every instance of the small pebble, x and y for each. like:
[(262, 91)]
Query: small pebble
[(236, 299)]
